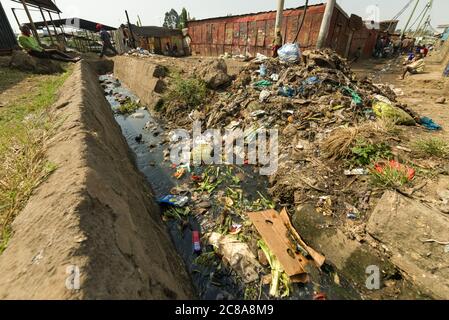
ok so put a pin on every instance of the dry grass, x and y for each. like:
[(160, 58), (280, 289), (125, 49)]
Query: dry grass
[(339, 145), (25, 126)]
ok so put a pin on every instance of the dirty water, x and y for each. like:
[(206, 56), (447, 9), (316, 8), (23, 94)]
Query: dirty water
[(213, 280)]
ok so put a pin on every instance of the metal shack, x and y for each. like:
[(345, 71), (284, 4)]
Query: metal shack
[(7, 37), (155, 39), (254, 33)]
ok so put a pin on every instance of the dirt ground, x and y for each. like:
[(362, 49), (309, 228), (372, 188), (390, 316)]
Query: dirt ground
[(94, 221)]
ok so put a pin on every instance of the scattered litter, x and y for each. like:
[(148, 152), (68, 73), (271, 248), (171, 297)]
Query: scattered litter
[(262, 84), (274, 77), (235, 229), (138, 116), (356, 172), (260, 58), (264, 95), (263, 70), (196, 242), (237, 254), (430, 124), (284, 243), (383, 109), (289, 53), (173, 200)]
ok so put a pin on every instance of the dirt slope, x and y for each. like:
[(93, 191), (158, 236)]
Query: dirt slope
[(95, 212)]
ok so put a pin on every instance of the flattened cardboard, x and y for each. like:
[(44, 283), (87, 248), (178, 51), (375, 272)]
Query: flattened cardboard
[(317, 257), (275, 233)]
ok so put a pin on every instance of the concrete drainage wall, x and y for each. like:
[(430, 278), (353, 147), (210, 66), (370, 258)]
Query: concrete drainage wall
[(142, 76), (94, 219)]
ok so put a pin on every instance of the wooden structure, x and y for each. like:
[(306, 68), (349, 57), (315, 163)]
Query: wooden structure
[(155, 39), (7, 39)]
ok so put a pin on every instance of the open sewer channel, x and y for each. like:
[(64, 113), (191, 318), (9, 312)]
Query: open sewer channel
[(214, 193)]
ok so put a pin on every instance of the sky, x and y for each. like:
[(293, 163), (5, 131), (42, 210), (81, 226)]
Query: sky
[(151, 12)]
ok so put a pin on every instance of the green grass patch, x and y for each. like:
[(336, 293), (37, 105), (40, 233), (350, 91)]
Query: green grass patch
[(434, 147), (25, 126), (365, 153), (129, 107), (190, 91)]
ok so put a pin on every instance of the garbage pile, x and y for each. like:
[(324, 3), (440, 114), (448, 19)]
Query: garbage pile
[(139, 52)]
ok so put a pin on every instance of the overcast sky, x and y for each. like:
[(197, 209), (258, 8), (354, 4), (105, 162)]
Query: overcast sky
[(112, 12)]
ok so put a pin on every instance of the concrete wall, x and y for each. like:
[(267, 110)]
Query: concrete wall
[(142, 76), (95, 212)]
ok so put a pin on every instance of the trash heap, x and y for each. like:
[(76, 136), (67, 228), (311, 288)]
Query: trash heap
[(319, 91), (139, 52)]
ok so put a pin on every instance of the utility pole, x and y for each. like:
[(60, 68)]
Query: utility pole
[(325, 24), (409, 19), (279, 16)]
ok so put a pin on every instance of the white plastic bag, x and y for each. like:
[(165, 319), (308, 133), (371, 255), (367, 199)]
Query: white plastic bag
[(290, 53)]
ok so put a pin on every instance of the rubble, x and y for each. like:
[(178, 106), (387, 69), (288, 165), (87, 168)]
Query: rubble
[(214, 73)]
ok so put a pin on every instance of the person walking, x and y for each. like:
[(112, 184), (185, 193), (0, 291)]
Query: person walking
[(106, 40)]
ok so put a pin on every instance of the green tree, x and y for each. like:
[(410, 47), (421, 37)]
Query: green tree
[(171, 19), (183, 18)]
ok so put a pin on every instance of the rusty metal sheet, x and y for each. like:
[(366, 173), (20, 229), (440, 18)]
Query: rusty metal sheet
[(243, 33), (260, 33)]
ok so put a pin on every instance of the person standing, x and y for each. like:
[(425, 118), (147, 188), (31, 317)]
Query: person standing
[(106, 40), (277, 44)]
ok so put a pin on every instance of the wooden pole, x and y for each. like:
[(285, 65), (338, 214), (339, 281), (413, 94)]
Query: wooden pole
[(33, 27), (409, 19), (52, 22), (46, 25), (133, 42), (15, 16)]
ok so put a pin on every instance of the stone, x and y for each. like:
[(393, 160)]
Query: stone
[(441, 100), (290, 130), (403, 225), (24, 62), (215, 74)]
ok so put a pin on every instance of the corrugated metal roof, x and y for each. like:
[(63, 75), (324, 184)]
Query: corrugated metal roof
[(7, 37), (77, 22), (153, 31), (45, 4)]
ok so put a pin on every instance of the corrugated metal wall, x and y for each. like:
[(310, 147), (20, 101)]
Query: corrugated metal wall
[(254, 33), (7, 38)]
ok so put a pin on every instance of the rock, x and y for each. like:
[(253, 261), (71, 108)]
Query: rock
[(441, 100), (290, 130), (262, 258), (404, 225), (215, 74), (160, 86), (160, 72), (24, 62)]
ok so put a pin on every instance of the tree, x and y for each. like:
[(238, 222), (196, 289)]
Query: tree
[(171, 19), (183, 18)]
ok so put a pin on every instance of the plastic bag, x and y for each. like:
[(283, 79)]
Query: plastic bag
[(290, 53), (398, 116)]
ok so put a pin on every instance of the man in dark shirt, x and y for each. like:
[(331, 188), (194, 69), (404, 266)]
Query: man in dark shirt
[(106, 39)]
